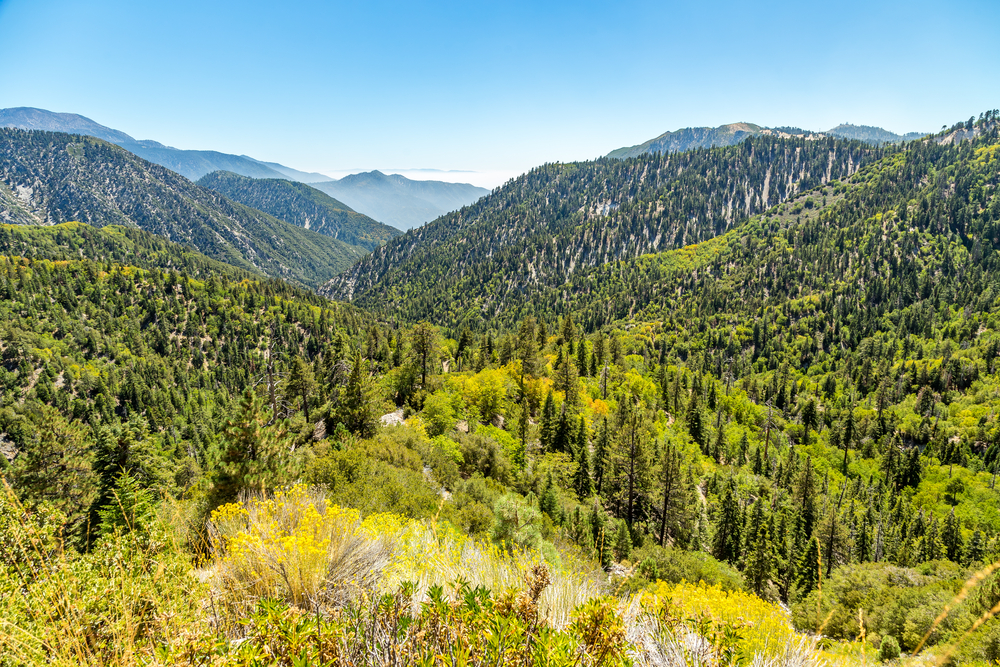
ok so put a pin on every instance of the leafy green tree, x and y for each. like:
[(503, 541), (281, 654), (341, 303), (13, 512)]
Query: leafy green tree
[(439, 413)]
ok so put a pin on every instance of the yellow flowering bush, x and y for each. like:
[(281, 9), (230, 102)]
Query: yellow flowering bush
[(293, 545), (765, 628)]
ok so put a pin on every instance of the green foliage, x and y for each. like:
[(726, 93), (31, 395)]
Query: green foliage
[(888, 649)]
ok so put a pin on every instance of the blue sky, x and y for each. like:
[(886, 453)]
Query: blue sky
[(494, 87)]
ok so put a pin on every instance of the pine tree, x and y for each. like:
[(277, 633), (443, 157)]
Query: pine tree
[(669, 479), (581, 482), (547, 429), (602, 451), (623, 542), (300, 384), (547, 502), (58, 467), (977, 549), (728, 527), (695, 423), (358, 405), (562, 439), (951, 537), (566, 380), (760, 559), (808, 569)]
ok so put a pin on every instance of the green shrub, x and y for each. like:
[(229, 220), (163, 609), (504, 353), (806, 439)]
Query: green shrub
[(889, 650), (656, 563), (439, 414)]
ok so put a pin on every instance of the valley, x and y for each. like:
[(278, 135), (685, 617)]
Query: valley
[(713, 404)]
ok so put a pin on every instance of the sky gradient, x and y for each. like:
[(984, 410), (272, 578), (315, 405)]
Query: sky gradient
[(495, 87)]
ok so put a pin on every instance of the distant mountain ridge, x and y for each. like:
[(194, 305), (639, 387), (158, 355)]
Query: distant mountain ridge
[(690, 138), (396, 201), (303, 206), (393, 197), (51, 177), (872, 135)]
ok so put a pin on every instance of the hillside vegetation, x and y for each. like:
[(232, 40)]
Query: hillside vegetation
[(778, 445)]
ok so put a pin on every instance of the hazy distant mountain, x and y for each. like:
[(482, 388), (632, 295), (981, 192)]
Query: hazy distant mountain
[(51, 177), (397, 200), (191, 164), (393, 200), (690, 138), (303, 206), (295, 174), (872, 135)]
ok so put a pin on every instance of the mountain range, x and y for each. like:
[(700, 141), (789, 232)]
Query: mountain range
[(50, 177), (726, 135), (395, 201)]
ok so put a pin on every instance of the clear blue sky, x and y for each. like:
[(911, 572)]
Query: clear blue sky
[(490, 86)]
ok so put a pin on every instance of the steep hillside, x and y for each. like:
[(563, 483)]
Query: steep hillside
[(399, 201), (49, 178), (546, 227), (303, 206)]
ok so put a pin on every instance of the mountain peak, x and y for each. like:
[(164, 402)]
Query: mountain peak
[(30, 118)]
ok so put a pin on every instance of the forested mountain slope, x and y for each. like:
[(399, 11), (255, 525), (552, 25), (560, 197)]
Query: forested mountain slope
[(303, 206), (560, 220), (48, 178)]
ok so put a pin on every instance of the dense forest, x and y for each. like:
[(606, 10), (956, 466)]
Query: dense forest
[(770, 436)]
